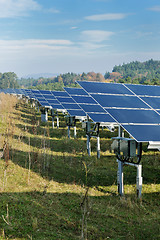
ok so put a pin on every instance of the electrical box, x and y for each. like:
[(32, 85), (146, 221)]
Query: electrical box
[(126, 147)]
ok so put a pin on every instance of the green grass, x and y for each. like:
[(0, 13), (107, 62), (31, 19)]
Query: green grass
[(45, 202)]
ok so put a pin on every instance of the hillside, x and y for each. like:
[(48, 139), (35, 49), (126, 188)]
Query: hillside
[(136, 72), (50, 188)]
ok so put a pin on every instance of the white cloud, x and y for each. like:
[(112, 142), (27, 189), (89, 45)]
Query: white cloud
[(17, 8), (34, 43), (155, 8), (52, 10), (73, 28), (107, 16), (96, 35)]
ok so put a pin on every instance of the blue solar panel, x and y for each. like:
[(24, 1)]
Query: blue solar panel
[(100, 117), (119, 101), (78, 113), (59, 94), (53, 101), (84, 99), (92, 108), (45, 92), (154, 102), (135, 116), (133, 112), (57, 106), (44, 103), (88, 104), (49, 96), (144, 133), (108, 88), (75, 91), (35, 91), (144, 89), (73, 106), (65, 100)]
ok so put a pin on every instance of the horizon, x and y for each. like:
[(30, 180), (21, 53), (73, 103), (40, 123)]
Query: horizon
[(60, 37)]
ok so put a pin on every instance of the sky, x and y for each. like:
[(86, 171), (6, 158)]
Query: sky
[(60, 36)]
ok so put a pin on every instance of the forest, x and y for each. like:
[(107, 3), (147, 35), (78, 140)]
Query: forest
[(134, 72)]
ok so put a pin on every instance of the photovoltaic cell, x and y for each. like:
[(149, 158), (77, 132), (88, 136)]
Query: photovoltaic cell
[(107, 88), (147, 90), (53, 101), (57, 106), (65, 100), (84, 99), (154, 102), (144, 133), (59, 94), (135, 116), (89, 105), (101, 118), (75, 91), (71, 106), (92, 108), (68, 104), (119, 101), (78, 113)]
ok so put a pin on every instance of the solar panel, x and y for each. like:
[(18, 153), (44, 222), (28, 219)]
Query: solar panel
[(76, 91), (107, 88), (89, 105), (84, 99), (101, 118), (76, 113), (59, 94), (143, 133), (69, 104), (144, 90), (65, 100), (154, 102), (109, 101), (134, 113), (135, 116)]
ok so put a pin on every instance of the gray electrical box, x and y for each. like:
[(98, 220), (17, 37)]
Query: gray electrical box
[(124, 146)]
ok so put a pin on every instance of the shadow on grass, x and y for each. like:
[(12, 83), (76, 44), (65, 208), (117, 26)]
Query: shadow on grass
[(52, 216), (68, 168)]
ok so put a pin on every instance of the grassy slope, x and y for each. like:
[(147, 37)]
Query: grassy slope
[(45, 201)]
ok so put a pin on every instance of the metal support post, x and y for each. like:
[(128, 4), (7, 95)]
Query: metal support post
[(98, 147), (75, 132), (139, 180), (88, 145), (52, 121), (69, 132), (57, 121), (98, 142), (120, 178), (46, 115)]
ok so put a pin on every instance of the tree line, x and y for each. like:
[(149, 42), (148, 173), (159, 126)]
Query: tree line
[(136, 73)]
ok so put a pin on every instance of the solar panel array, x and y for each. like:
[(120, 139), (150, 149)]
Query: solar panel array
[(69, 104), (89, 105), (134, 107), (129, 106)]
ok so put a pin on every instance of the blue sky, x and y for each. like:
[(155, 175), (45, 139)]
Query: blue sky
[(59, 36)]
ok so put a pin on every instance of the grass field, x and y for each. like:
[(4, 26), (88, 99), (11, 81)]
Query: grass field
[(51, 189)]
